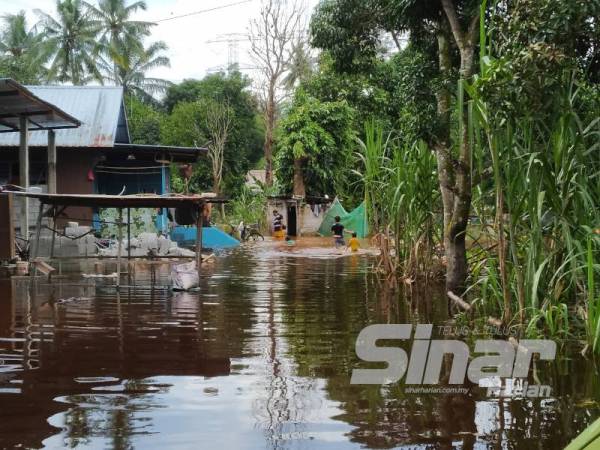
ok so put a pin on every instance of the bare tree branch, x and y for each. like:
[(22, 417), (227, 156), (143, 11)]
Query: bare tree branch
[(272, 36), (218, 118)]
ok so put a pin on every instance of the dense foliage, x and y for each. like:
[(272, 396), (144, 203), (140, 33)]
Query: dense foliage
[(319, 135), (243, 150)]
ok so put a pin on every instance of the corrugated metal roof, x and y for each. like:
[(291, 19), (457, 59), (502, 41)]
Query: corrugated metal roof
[(16, 101), (97, 107)]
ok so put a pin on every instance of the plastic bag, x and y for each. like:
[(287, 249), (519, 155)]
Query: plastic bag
[(185, 276)]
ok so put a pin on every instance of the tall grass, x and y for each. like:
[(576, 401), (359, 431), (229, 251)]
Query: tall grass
[(402, 197), (374, 160), (591, 311), (414, 208), (546, 190)]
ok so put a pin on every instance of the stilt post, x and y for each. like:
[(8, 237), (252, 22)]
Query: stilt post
[(38, 232), (53, 232), (119, 247), (128, 233), (24, 173), (199, 223), (52, 162)]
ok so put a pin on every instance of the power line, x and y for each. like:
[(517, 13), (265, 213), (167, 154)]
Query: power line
[(204, 11)]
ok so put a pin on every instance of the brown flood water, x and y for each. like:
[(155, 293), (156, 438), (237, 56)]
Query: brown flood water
[(259, 358)]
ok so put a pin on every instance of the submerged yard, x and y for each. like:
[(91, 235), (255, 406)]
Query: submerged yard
[(265, 348)]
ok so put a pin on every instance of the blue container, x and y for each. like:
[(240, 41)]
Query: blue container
[(211, 237)]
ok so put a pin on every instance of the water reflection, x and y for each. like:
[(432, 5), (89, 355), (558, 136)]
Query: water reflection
[(261, 357)]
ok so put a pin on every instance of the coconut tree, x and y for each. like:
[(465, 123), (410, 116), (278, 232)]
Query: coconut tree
[(71, 36), (129, 65), (118, 30), (22, 49)]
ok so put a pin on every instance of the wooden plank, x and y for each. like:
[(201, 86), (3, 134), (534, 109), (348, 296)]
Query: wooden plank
[(125, 201), (43, 266)]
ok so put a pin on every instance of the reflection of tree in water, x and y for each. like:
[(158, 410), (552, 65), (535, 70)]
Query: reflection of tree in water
[(322, 328), (327, 305), (282, 413), (111, 415)]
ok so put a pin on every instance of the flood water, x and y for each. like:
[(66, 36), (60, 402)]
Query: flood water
[(259, 358)]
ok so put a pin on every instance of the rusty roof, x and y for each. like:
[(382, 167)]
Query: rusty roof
[(99, 108)]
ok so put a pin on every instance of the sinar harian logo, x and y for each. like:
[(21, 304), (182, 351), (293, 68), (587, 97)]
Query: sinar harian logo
[(498, 359)]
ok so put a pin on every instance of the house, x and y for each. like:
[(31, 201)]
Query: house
[(302, 216), (95, 158)]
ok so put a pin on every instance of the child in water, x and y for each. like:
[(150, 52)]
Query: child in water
[(353, 243)]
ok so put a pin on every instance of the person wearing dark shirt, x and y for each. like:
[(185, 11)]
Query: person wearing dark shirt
[(338, 232)]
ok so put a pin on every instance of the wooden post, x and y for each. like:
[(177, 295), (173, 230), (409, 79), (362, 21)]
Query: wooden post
[(128, 233), (7, 228), (119, 247), (52, 162), (199, 223), (38, 232), (55, 209), (129, 268), (24, 173)]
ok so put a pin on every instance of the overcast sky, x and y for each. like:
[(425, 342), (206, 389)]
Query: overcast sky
[(191, 55)]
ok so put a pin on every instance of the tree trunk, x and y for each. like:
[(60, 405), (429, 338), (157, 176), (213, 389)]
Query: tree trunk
[(455, 225), (269, 130), (449, 180), (441, 146), (299, 187)]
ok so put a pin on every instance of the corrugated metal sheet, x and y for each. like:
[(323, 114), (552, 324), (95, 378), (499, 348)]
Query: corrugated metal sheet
[(97, 107)]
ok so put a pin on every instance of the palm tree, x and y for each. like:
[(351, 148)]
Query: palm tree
[(130, 65), (72, 36), (117, 28), (22, 50)]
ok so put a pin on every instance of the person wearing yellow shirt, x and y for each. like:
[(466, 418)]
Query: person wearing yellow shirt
[(353, 243)]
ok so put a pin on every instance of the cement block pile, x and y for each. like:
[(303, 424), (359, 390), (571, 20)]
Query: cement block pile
[(80, 241), (147, 244)]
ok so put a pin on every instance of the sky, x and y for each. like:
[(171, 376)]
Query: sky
[(187, 37)]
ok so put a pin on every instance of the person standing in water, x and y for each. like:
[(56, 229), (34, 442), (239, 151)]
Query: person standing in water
[(353, 243), (277, 225), (338, 232)]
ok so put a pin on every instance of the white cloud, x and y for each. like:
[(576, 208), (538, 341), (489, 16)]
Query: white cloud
[(191, 56)]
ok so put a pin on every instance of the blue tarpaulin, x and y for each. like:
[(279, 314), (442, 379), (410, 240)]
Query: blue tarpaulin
[(211, 237)]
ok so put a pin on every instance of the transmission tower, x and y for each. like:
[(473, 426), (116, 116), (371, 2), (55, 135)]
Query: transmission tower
[(233, 47)]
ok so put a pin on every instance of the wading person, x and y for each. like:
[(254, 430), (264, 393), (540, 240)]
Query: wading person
[(278, 228), (353, 244), (338, 233)]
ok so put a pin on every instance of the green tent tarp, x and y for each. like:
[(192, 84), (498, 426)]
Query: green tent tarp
[(356, 220)]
